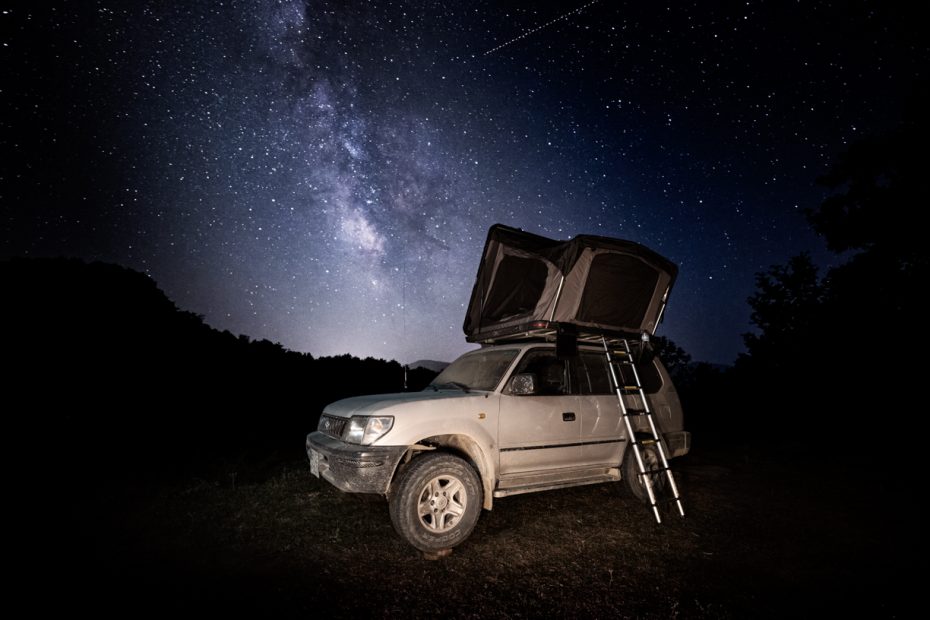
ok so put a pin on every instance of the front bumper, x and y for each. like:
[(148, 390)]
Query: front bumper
[(679, 443), (350, 467)]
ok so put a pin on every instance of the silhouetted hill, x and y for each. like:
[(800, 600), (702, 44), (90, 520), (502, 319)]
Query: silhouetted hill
[(107, 367), (432, 365)]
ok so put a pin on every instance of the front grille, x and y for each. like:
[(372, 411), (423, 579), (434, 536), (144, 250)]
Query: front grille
[(332, 426)]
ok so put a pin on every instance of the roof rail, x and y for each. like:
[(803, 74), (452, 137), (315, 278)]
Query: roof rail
[(549, 331)]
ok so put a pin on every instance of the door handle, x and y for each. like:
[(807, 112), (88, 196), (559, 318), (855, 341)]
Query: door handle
[(568, 416)]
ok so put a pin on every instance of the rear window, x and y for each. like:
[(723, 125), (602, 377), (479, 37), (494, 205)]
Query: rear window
[(650, 377)]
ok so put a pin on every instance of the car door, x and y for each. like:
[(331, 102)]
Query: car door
[(602, 430), (540, 431)]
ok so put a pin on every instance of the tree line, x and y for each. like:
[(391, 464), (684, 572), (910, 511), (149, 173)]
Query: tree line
[(835, 354), (103, 368)]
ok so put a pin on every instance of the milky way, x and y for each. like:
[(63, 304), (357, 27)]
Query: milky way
[(323, 174)]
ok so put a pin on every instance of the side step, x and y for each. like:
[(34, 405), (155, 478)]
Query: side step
[(549, 486)]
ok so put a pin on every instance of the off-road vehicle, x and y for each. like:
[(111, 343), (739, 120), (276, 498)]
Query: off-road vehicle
[(502, 420)]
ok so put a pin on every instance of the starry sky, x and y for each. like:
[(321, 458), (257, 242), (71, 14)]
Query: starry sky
[(323, 174)]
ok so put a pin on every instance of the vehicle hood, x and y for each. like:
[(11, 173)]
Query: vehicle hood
[(391, 404)]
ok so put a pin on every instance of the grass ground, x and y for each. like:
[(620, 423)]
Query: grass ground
[(768, 534)]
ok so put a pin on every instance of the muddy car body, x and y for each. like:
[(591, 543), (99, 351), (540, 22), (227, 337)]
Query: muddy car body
[(501, 420)]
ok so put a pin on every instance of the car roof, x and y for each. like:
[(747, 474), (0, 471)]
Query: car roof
[(529, 344)]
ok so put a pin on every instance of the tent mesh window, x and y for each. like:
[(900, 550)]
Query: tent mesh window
[(518, 285), (609, 274)]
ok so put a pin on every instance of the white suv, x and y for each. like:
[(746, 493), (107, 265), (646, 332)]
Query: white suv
[(501, 420)]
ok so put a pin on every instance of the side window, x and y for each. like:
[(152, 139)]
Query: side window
[(549, 371), (649, 377), (591, 374)]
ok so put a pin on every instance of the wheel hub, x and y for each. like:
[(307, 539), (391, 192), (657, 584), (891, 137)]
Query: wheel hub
[(650, 461), (442, 502), (439, 501)]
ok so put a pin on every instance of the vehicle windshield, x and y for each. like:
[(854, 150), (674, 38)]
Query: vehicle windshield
[(479, 370)]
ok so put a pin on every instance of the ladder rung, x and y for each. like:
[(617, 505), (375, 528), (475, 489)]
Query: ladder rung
[(666, 500), (649, 472), (637, 412), (631, 388)]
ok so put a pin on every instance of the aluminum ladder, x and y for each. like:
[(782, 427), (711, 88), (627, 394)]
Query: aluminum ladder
[(621, 359)]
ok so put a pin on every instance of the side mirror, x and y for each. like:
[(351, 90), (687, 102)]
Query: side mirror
[(523, 384)]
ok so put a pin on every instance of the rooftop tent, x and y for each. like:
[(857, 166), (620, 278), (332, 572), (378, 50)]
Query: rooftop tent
[(592, 283)]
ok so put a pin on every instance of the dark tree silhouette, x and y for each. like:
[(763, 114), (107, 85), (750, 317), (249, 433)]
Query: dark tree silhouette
[(881, 195), (838, 352), (699, 386), (784, 309), (674, 358), (115, 378), (877, 211)]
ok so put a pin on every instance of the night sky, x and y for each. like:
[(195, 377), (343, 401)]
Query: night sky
[(323, 174)]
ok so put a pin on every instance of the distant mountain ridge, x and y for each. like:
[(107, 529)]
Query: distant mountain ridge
[(432, 365)]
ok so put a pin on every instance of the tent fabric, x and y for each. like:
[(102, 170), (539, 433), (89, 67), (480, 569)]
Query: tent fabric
[(596, 284)]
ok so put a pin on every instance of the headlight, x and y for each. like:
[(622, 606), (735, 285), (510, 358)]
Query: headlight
[(366, 430)]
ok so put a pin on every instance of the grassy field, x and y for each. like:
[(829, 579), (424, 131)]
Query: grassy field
[(768, 534)]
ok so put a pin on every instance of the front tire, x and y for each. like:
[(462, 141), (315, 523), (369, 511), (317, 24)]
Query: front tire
[(436, 501), (651, 461)]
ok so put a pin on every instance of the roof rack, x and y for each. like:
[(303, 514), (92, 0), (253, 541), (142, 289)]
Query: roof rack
[(549, 331)]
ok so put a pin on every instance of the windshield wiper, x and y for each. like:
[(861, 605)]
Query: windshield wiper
[(454, 384)]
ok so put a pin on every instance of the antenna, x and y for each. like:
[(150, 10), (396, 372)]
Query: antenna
[(403, 286), (403, 302)]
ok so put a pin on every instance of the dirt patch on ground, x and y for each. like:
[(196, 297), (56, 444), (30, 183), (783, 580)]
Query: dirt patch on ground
[(768, 533)]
